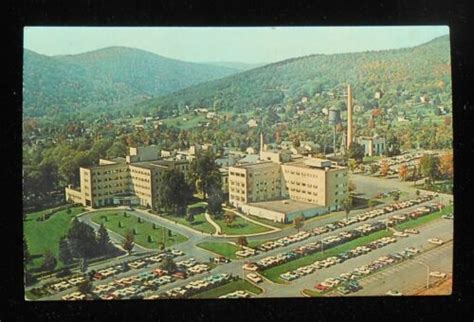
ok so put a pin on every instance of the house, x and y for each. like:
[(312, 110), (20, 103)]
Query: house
[(252, 123), (250, 150), (211, 115)]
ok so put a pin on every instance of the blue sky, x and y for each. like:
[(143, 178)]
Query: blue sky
[(228, 44)]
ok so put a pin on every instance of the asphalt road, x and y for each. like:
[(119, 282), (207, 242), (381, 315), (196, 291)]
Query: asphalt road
[(409, 276)]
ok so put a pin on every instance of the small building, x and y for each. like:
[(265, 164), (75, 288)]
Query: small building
[(250, 150), (372, 145), (252, 123)]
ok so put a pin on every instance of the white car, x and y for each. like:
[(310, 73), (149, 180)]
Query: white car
[(412, 250), (400, 234), (435, 241), (393, 293), (254, 278), (411, 231), (438, 274)]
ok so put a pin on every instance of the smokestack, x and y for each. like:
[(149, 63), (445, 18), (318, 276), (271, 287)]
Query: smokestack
[(261, 142), (349, 116)]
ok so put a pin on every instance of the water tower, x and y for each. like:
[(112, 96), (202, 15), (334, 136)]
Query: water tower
[(334, 119)]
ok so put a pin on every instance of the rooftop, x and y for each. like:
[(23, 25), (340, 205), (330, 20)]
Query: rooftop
[(256, 165)]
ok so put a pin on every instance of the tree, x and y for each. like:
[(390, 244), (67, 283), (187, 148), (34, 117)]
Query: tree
[(242, 241), (129, 242), (65, 254), (298, 222), (103, 240), (371, 203), (393, 145), (168, 264), (205, 172), (403, 172), (85, 287), (352, 186), (190, 217), (446, 165), (384, 168), (396, 196), (417, 192), (229, 218), (26, 252), (429, 166), (83, 265), (174, 192), (50, 262), (82, 240), (347, 205), (214, 201), (356, 151)]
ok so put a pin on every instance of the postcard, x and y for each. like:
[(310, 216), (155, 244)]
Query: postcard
[(237, 162)]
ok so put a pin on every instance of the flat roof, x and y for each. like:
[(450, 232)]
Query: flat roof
[(157, 163), (285, 205), (301, 164), (255, 165)]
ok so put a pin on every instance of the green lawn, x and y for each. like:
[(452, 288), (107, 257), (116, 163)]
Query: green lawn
[(44, 235), (271, 222), (200, 223), (191, 122), (240, 227), (274, 272), (425, 219), (238, 285), (144, 229), (225, 249)]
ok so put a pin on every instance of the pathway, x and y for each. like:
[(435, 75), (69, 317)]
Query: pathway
[(213, 223)]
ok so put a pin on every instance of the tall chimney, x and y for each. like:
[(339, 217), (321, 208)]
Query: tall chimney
[(349, 116), (261, 141)]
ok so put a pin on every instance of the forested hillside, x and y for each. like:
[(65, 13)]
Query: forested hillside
[(399, 74), (108, 78)]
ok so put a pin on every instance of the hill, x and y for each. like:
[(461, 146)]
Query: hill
[(400, 74), (109, 77)]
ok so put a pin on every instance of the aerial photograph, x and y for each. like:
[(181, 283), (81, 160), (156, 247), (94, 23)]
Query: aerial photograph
[(236, 162)]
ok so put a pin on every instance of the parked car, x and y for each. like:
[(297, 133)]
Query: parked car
[(435, 241), (400, 234), (411, 231), (438, 274), (394, 293), (254, 278)]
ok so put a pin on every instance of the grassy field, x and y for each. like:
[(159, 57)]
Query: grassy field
[(240, 227), (238, 285), (144, 229), (274, 272), (225, 249), (191, 122), (44, 235), (271, 222), (425, 219), (200, 223)]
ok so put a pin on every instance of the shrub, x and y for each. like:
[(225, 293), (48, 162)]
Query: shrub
[(150, 239), (135, 231), (154, 226), (120, 224), (63, 273)]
